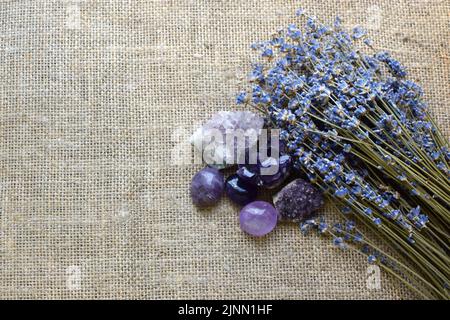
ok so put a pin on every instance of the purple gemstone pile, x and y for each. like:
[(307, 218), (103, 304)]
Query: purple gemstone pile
[(296, 201)]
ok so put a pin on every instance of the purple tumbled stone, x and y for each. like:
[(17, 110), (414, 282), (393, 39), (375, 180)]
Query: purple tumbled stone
[(250, 174), (258, 218), (281, 167), (207, 187), (271, 169), (240, 191), (268, 173)]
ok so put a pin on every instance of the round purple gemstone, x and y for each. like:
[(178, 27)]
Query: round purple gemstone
[(240, 191), (258, 218), (207, 187)]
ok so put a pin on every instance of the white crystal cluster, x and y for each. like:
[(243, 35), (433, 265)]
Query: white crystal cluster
[(241, 128)]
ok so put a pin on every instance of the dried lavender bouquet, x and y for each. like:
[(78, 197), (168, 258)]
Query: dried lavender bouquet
[(361, 131)]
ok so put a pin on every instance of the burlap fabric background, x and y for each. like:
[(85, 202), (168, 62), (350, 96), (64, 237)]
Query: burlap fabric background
[(95, 96)]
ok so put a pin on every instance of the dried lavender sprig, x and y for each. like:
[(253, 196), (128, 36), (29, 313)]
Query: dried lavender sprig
[(349, 237), (360, 134), (363, 215), (412, 254)]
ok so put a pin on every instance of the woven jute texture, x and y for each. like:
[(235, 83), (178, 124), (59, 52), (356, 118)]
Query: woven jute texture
[(96, 99)]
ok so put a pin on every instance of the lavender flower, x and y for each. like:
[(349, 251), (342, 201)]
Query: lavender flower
[(360, 130)]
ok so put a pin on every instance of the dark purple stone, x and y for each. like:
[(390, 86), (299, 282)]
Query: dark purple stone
[(240, 191), (282, 168), (250, 174), (207, 187), (269, 173), (279, 150)]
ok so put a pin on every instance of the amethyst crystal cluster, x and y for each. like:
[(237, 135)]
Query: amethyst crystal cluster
[(270, 171), (211, 138)]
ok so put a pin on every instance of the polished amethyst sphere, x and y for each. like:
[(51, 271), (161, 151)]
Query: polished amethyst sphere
[(239, 191), (207, 187), (258, 218), (298, 200)]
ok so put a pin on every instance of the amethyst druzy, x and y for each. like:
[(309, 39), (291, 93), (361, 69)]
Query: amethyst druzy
[(258, 218), (298, 200), (207, 187)]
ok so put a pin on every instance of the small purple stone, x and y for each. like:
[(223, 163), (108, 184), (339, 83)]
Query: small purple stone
[(207, 187), (250, 174), (240, 191), (258, 218), (268, 173), (281, 167)]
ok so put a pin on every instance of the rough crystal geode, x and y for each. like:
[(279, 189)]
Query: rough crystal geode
[(297, 201), (240, 127)]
